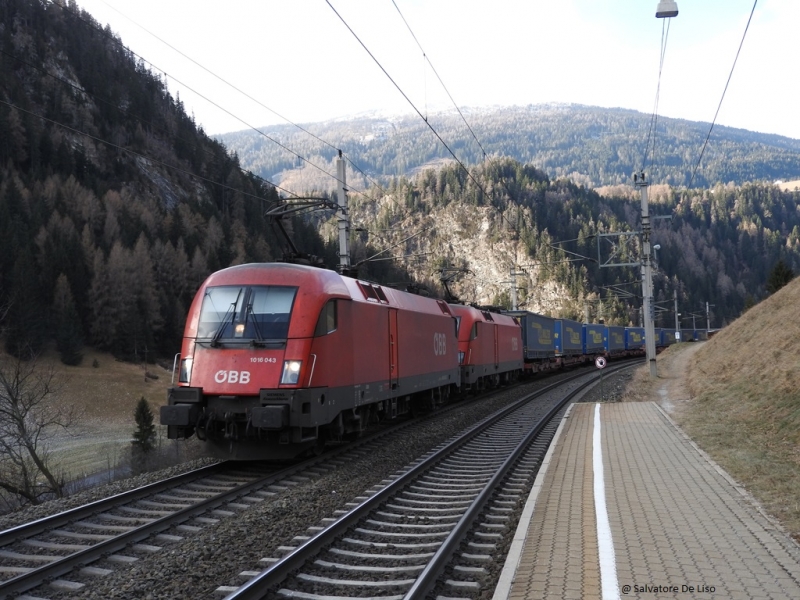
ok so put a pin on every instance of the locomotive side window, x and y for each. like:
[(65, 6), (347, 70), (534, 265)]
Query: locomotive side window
[(254, 313), (327, 322), (474, 333)]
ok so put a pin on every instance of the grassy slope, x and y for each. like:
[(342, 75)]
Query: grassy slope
[(105, 398), (745, 409)]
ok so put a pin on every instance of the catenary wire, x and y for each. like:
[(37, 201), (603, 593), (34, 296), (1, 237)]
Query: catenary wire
[(106, 101), (402, 93), (127, 112), (116, 41), (248, 96), (144, 156), (428, 60), (716, 114)]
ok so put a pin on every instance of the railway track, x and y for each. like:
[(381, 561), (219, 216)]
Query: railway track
[(446, 513), (76, 548), (47, 549)]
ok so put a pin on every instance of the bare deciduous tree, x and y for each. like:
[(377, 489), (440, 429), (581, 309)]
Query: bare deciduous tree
[(30, 415)]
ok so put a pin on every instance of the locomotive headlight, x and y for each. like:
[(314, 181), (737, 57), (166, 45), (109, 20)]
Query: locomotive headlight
[(461, 358), (186, 370), (238, 331), (291, 371)]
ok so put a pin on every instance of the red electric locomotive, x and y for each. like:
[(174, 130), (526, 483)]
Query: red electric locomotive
[(489, 347), (278, 358)]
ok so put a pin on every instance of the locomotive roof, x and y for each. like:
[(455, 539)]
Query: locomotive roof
[(481, 315), (317, 282)]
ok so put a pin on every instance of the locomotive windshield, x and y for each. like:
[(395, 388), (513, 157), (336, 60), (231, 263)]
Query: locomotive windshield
[(245, 313)]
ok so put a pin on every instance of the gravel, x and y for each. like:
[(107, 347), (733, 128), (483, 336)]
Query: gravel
[(199, 563)]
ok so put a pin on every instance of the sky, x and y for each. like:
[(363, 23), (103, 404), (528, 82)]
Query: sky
[(297, 61)]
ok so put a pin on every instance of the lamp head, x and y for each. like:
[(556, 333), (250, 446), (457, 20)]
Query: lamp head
[(666, 8)]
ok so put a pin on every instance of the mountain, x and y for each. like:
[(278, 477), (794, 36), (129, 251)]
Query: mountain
[(592, 146), (115, 205)]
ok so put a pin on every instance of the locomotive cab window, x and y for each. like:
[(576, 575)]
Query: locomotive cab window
[(246, 313), (327, 322)]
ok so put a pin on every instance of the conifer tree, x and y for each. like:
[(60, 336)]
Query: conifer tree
[(779, 276), (145, 435), (69, 337)]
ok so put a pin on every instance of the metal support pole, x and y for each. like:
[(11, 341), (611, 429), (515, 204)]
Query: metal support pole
[(647, 278), (708, 321), (677, 314), (344, 220), (514, 273), (513, 289)]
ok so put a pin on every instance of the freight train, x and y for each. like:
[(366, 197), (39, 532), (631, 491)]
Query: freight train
[(277, 359)]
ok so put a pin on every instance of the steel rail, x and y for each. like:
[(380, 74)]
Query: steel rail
[(36, 577), (26, 530), (260, 585), (427, 579)]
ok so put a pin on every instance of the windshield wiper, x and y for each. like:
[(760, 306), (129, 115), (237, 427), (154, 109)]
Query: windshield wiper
[(232, 312), (259, 341)]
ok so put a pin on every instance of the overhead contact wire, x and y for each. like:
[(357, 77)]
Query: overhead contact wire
[(428, 60), (402, 93)]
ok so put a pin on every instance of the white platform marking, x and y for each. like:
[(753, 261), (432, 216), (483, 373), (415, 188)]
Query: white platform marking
[(605, 545)]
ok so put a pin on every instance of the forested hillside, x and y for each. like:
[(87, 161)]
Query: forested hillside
[(114, 205), (593, 146), (719, 246)]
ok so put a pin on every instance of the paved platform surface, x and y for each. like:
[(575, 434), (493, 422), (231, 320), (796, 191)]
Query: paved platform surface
[(679, 526)]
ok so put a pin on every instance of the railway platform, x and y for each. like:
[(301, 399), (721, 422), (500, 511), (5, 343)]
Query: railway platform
[(627, 506)]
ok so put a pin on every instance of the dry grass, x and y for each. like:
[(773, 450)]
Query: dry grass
[(741, 403), (789, 186), (104, 397)]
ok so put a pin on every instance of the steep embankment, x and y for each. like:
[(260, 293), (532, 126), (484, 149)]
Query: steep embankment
[(745, 402)]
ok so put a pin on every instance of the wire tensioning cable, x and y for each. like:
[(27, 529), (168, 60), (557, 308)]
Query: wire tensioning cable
[(750, 18), (249, 126), (654, 117), (402, 93), (140, 155), (428, 60)]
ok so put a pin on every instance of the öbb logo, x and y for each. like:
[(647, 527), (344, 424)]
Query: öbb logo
[(439, 344), (232, 377)]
